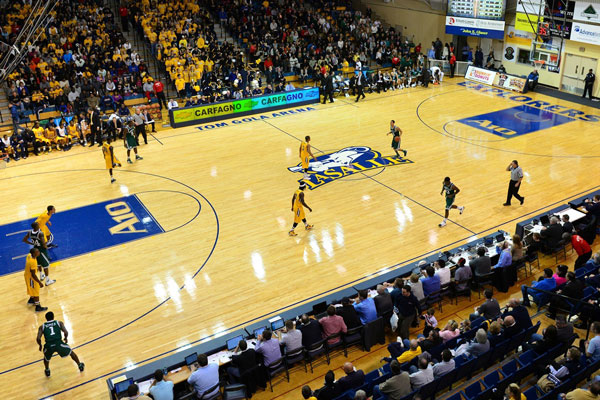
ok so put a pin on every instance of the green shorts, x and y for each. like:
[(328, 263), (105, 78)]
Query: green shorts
[(62, 349), (449, 202), (43, 259)]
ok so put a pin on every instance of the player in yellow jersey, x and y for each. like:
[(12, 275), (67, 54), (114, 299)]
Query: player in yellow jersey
[(304, 153), (44, 219), (32, 282), (109, 158), (298, 205)]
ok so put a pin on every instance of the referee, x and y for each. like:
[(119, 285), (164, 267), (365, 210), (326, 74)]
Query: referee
[(140, 126), (516, 177)]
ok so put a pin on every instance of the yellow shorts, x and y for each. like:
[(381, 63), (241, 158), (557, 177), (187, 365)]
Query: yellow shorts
[(299, 215), (305, 163), (33, 288)]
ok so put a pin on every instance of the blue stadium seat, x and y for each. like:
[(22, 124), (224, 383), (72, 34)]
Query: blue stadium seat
[(492, 379), (371, 376), (456, 396), (472, 391), (531, 393)]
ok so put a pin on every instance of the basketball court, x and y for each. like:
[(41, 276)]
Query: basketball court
[(192, 240)]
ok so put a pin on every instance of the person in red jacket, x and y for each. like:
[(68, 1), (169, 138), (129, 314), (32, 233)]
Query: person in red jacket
[(583, 249), (124, 13), (452, 64), (160, 94)]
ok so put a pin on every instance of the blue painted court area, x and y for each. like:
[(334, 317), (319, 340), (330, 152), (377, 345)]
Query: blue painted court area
[(80, 231), (516, 121)]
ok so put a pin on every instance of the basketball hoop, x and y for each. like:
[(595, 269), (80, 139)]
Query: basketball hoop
[(539, 64)]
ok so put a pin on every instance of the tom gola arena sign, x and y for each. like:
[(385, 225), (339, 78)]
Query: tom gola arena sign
[(235, 108)]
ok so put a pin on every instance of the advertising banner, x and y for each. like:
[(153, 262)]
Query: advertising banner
[(585, 33), (475, 27), (586, 11), (480, 75), (229, 109), (494, 78), (527, 22), (532, 7)]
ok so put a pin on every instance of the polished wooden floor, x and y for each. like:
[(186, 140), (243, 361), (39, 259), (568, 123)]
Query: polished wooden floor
[(235, 262)]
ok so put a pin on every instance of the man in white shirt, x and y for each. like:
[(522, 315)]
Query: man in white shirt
[(423, 376), (443, 272), (172, 104)]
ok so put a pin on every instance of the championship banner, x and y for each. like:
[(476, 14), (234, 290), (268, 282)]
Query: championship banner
[(497, 79), (228, 109)]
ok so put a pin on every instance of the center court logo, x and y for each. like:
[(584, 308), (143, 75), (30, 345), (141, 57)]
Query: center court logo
[(349, 161)]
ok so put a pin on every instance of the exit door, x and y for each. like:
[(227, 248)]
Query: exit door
[(575, 69)]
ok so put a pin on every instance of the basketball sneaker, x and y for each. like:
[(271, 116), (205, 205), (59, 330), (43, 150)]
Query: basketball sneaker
[(308, 227), (138, 157), (42, 276), (112, 180), (81, 366), (405, 152), (442, 224), (129, 161), (39, 308), (49, 281), (292, 233), (30, 302), (461, 209)]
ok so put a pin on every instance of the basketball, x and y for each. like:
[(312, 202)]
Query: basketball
[(397, 139)]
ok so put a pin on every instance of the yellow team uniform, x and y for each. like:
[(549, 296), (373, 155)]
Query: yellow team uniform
[(72, 132), (42, 220), (304, 155), (31, 266), (108, 159), (298, 208)]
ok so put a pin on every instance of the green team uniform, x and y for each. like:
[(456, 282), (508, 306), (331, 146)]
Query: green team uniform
[(395, 145), (54, 343), (130, 138), (36, 237), (449, 195)]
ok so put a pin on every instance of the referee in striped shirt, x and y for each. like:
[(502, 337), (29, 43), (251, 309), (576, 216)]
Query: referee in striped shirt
[(516, 177)]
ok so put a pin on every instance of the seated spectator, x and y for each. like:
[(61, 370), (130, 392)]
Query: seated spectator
[(396, 350), (291, 338), (551, 235), (505, 259), (431, 282), (581, 394), (592, 346), (477, 347), (549, 340), (161, 389), (365, 307), (416, 286), (172, 104), (573, 289), (519, 313), (546, 283), (430, 321), (268, 347), (450, 331), (332, 324), (360, 395), (532, 80), (307, 393), (481, 265), (311, 331), (510, 327), (396, 387), (443, 271), (353, 379), (446, 365), (349, 314), (423, 375), (206, 377), (133, 393), (517, 249), (567, 225), (383, 301), (490, 309), (560, 276), (559, 371), (329, 391), (513, 392), (289, 87), (495, 335), (462, 276), (564, 329), (592, 206), (148, 120), (431, 341), (268, 90), (242, 360), (581, 247)]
